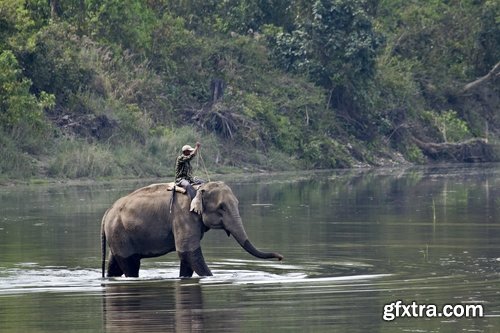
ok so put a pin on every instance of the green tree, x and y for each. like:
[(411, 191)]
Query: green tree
[(487, 45), (343, 42), (55, 64), (126, 23), (240, 16), (17, 28), (244, 16), (449, 41), (17, 105), (336, 47)]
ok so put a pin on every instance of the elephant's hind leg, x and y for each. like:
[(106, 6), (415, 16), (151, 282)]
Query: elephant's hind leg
[(114, 269), (128, 266), (131, 265)]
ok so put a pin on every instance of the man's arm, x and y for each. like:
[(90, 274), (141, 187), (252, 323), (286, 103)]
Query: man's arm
[(195, 151)]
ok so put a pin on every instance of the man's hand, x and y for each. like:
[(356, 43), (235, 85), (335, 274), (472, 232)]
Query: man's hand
[(198, 145)]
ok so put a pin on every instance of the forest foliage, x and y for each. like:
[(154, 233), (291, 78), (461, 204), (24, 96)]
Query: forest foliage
[(114, 88)]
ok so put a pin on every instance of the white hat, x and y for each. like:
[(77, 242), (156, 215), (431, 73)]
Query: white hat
[(187, 147)]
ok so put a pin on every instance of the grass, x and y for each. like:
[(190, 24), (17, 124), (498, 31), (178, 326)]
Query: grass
[(76, 158), (13, 162)]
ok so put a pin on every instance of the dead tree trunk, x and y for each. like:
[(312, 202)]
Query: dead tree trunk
[(474, 150), (55, 9), (217, 87)]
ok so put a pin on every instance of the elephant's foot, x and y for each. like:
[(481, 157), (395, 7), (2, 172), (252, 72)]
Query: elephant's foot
[(186, 270), (193, 261)]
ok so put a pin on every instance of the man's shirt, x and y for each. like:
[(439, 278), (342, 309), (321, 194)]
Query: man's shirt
[(183, 168)]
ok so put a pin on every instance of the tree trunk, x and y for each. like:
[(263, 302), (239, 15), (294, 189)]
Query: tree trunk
[(217, 87), (55, 9)]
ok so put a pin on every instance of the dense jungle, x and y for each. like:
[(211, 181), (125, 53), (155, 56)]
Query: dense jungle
[(113, 89)]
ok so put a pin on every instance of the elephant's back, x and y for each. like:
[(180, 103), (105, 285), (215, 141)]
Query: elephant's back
[(146, 205), (152, 201), (140, 222), (158, 188)]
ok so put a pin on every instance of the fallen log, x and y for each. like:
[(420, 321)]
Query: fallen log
[(473, 150)]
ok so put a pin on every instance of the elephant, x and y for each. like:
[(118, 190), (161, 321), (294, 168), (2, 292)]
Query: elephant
[(154, 220)]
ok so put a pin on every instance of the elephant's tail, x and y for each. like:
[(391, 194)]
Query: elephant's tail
[(103, 246)]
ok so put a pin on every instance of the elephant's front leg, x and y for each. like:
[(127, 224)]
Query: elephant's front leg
[(188, 231), (193, 261)]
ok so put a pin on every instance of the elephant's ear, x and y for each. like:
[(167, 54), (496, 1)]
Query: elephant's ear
[(197, 202)]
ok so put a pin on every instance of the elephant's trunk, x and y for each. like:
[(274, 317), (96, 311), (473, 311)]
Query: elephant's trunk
[(259, 254), (236, 229)]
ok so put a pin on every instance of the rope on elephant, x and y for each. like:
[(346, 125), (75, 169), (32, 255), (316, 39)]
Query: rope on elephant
[(204, 166), (172, 200)]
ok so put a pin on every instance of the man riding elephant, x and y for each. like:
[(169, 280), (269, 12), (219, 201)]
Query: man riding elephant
[(184, 171), (142, 225)]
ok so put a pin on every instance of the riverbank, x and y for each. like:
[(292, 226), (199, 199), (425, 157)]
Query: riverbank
[(89, 93), (86, 164), (246, 176)]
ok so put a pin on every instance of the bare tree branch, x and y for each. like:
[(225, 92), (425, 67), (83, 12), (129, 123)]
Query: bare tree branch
[(495, 71)]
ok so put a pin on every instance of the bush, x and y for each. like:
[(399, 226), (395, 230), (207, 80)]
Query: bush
[(23, 128), (414, 154), (325, 153), (18, 104), (451, 127)]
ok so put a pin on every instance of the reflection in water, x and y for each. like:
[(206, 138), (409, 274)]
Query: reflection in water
[(163, 306), (188, 308), (153, 307)]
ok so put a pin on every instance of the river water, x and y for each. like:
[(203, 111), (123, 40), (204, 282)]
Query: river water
[(354, 241)]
